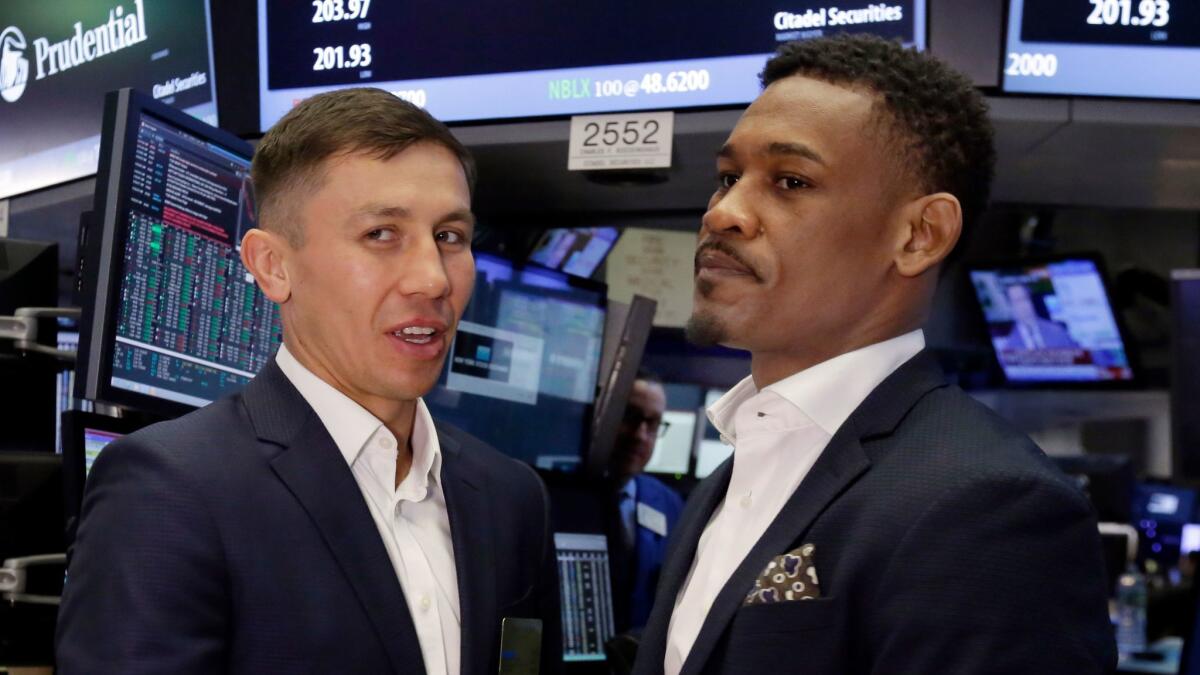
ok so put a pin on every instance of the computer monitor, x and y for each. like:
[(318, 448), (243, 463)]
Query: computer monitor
[(575, 250), (172, 320), (522, 369), (585, 587), (31, 523), (1052, 322), (1160, 513), (85, 434), (1185, 372), (28, 278), (673, 450)]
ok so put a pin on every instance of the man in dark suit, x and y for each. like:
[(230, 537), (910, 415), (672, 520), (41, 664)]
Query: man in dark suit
[(320, 520), (646, 509), (872, 519), (1031, 331)]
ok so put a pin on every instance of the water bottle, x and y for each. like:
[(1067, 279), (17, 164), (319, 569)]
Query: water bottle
[(1131, 611)]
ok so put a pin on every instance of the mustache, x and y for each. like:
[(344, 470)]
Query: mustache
[(722, 247)]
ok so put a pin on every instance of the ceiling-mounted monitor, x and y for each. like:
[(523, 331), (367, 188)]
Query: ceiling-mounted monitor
[(57, 61), (1124, 48), (1052, 322), (496, 60)]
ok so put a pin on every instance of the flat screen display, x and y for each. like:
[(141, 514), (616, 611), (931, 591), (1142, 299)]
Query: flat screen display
[(575, 250), (523, 366), (493, 60), (94, 441), (178, 321), (673, 450), (1052, 322), (1134, 48), (57, 61), (585, 590)]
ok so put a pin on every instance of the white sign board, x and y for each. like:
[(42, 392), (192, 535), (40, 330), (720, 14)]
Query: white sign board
[(657, 264), (629, 141)]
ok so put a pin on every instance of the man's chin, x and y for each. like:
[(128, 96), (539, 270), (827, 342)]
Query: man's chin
[(705, 330)]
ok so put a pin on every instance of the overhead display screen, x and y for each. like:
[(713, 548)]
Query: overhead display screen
[(492, 60), (1134, 48), (58, 60)]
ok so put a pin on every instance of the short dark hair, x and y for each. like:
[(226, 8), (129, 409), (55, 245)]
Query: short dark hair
[(938, 118), (357, 120)]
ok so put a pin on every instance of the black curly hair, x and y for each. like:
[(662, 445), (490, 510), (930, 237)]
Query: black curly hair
[(938, 118)]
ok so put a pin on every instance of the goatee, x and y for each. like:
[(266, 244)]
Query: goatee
[(704, 330)]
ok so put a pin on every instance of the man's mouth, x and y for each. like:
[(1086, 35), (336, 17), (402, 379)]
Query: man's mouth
[(720, 259), (417, 335)]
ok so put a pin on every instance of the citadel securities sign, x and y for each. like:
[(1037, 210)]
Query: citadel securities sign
[(120, 31)]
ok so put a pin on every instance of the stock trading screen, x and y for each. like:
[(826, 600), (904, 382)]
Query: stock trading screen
[(1138, 48), (535, 58), (191, 323)]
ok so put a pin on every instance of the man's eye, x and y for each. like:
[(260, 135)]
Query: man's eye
[(381, 234), (791, 183), (449, 237), (727, 180)]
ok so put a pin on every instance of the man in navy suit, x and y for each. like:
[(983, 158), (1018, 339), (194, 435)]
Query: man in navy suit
[(1030, 331), (872, 519), (321, 520), (647, 510)]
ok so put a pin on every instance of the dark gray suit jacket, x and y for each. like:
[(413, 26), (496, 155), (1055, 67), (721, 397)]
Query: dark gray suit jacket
[(235, 539), (945, 542)]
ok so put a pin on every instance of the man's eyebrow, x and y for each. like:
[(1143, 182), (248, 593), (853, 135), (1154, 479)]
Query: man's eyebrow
[(779, 148), (381, 211), (460, 216), (401, 213), (796, 150)]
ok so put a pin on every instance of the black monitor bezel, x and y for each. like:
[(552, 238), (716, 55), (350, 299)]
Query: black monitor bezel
[(1131, 353), (97, 336), (74, 461)]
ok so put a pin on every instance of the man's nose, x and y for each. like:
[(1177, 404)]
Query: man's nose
[(732, 215), (424, 271)]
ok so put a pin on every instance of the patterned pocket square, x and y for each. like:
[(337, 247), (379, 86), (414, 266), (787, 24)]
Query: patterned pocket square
[(788, 577)]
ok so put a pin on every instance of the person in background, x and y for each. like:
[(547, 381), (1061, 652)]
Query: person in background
[(646, 509), (1031, 331), (873, 519), (320, 520)]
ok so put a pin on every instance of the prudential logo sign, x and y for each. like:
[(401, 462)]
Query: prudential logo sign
[(123, 29), (14, 67)]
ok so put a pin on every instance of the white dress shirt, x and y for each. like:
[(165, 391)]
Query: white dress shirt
[(412, 518), (778, 434)]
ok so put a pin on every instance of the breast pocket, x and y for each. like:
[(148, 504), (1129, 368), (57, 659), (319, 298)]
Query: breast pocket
[(768, 638), (785, 617)]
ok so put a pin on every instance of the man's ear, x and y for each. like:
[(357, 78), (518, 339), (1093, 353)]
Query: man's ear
[(932, 225), (264, 254)]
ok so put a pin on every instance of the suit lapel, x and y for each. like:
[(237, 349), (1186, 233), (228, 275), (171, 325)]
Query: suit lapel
[(841, 463), (316, 473), (474, 551)]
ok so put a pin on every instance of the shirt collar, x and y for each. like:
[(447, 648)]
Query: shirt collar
[(827, 392), (351, 426)]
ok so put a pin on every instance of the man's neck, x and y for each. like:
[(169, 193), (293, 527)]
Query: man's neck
[(397, 415), (767, 368)]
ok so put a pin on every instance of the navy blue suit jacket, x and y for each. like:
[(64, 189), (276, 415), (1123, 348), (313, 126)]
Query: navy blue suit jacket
[(235, 539), (651, 547), (945, 542)]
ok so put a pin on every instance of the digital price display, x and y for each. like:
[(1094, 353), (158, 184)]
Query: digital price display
[(1135, 48), (495, 60)]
